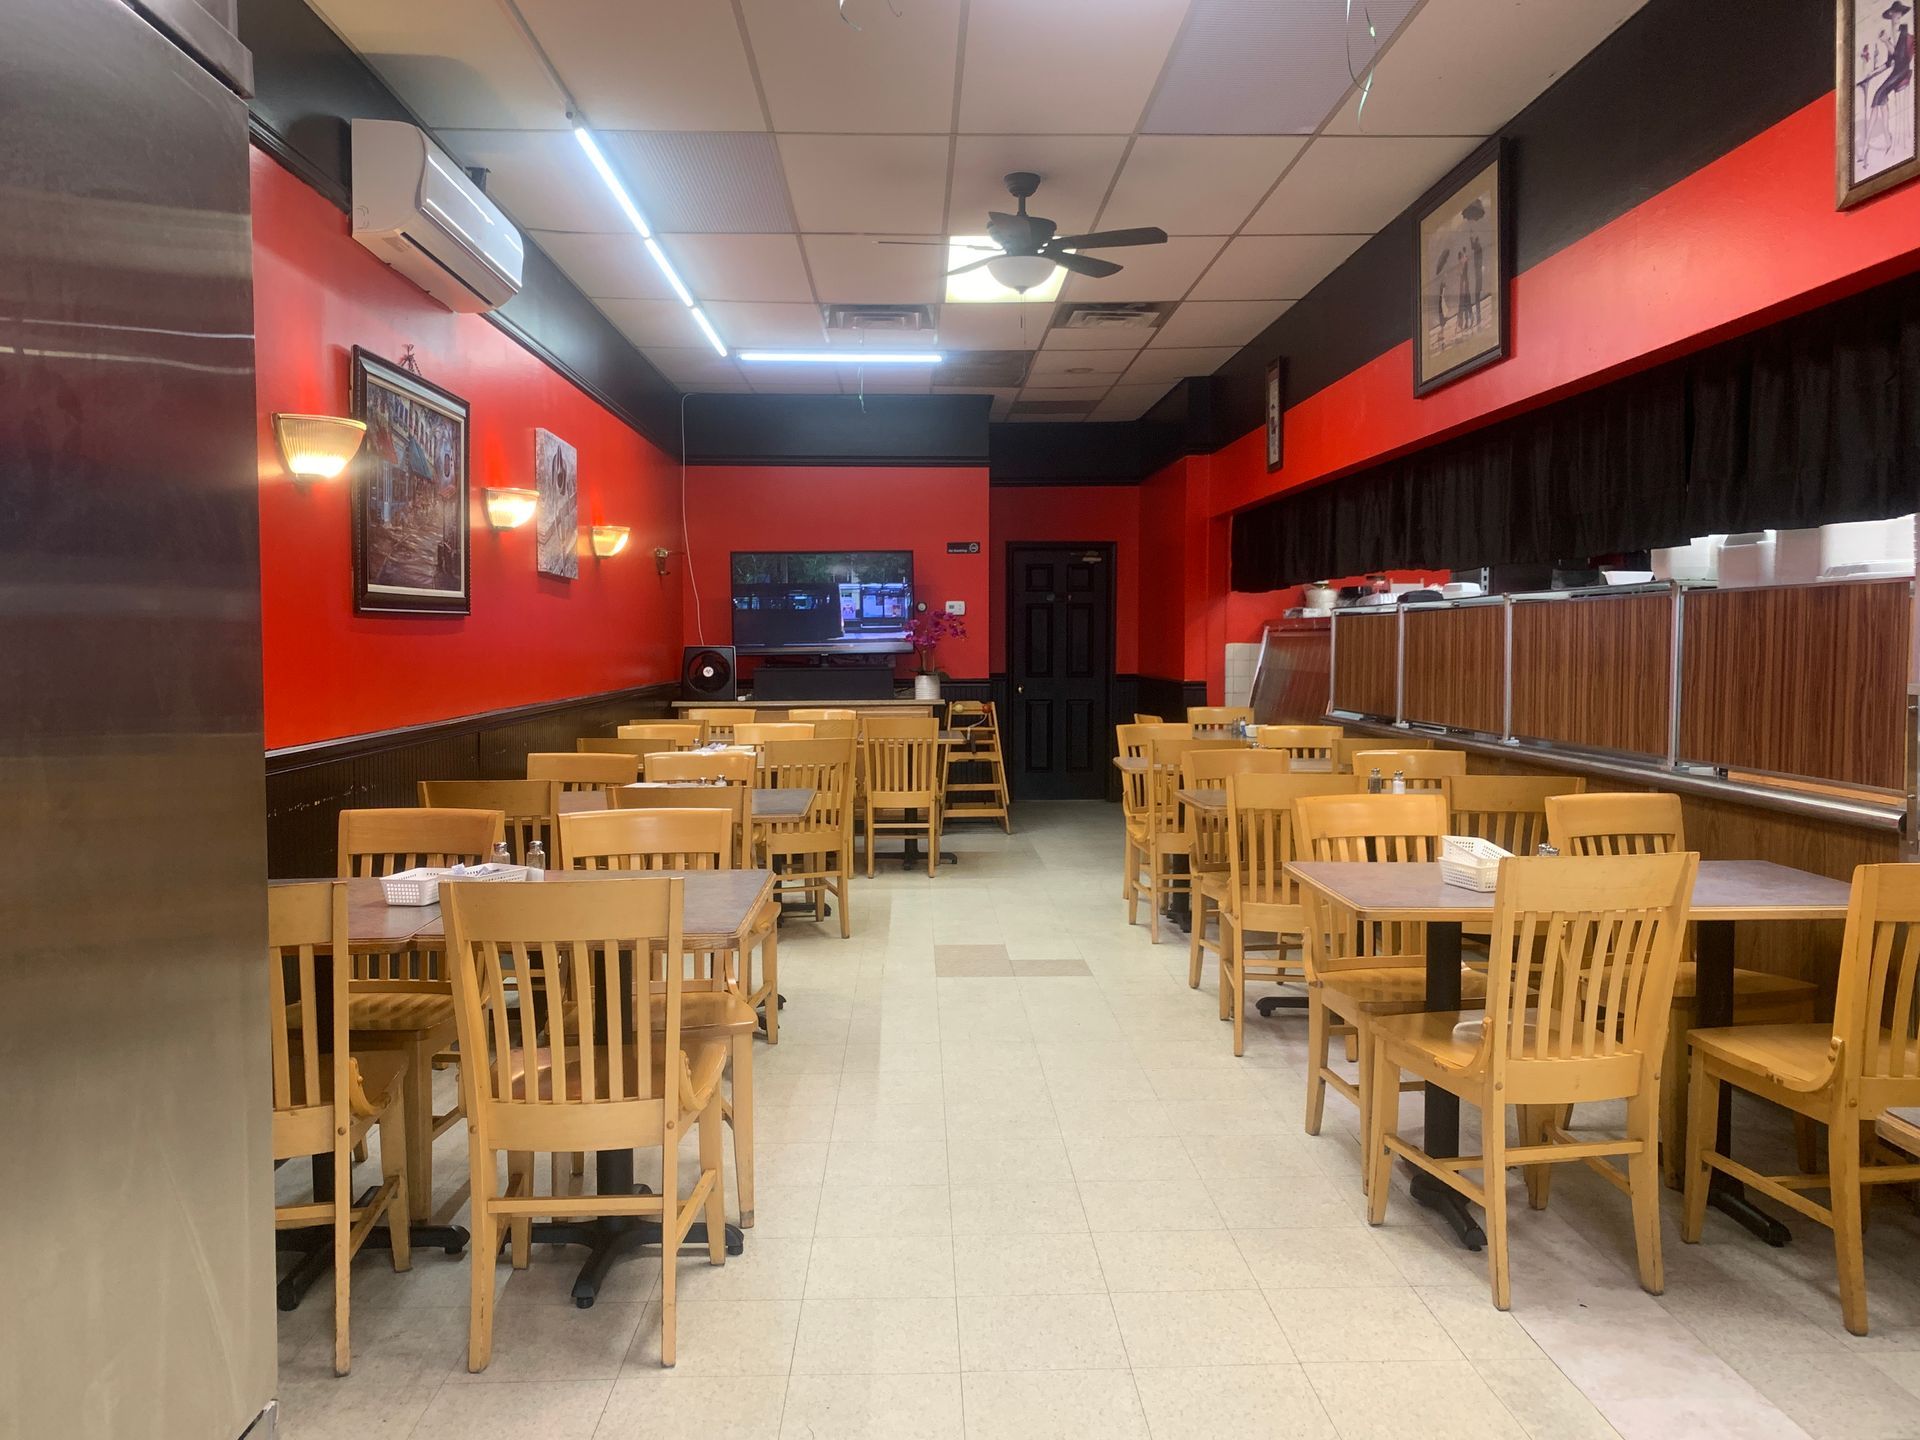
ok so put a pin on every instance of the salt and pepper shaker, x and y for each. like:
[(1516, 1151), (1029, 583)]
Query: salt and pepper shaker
[(1374, 785), (537, 857), (1399, 782)]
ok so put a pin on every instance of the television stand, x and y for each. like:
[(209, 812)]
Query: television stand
[(824, 675)]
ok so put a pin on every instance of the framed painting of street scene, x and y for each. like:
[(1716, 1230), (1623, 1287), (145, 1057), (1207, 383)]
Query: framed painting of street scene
[(410, 540), (1464, 261)]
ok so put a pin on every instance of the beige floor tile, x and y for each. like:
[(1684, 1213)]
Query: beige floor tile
[(555, 1342), (887, 1162), (767, 1269), (1058, 1405), (1130, 1205), (1249, 1402), (1028, 1265), (722, 1337), (1297, 1259), (873, 1407), (1364, 1324), (1016, 1207), (884, 1210), (1834, 1396), (881, 1267), (983, 1158), (1146, 1157), (1172, 1260), (888, 1120), (1188, 1328), (1304, 1202), (877, 1337), (783, 1212), (1391, 1399), (1039, 1332), (1471, 1322), (1547, 1404), (666, 1405), (351, 1408), (550, 1409)]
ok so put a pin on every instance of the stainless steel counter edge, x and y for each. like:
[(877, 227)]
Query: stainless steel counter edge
[(1858, 813)]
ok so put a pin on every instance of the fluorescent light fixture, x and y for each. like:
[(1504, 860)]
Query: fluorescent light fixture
[(666, 269), (842, 357), (706, 328), (588, 144), (979, 287)]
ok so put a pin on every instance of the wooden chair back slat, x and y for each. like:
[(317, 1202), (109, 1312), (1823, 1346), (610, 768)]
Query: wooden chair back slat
[(306, 950), (657, 839), (1876, 1015), (1508, 810), (720, 719), (736, 800), (1218, 718), (1383, 829), (901, 761), (576, 771), (1422, 769), (1611, 824), (1302, 742), (528, 808), (1134, 739), (1204, 767), (815, 716), (728, 767), (679, 734), (820, 765), (384, 842), (760, 733), (1345, 749), (1261, 837)]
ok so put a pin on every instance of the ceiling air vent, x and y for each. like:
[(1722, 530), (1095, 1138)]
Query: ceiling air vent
[(1049, 409), (879, 319), (984, 369), (1112, 315)]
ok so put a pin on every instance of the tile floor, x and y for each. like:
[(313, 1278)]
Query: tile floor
[(1014, 1184)]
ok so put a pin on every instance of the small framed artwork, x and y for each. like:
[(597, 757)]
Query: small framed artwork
[(410, 539), (1276, 413), (556, 466), (1463, 267), (1877, 145)]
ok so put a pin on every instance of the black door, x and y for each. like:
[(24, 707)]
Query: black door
[(1059, 669)]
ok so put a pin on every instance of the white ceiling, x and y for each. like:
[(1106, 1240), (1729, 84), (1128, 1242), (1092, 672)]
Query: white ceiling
[(774, 145)]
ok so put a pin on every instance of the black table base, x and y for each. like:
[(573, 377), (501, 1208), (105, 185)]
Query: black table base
[(612, 1237), (1713, 1002), (314, 1243), (1442, 1138), (1267, 1004)]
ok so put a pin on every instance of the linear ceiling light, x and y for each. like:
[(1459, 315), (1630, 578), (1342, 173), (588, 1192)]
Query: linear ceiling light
[(639, 223), (842, 357)]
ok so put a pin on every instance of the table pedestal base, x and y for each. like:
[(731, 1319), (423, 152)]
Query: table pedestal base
[(1453, 1208), (314, 1243), (1713, 953), (612, 1237), (1270, 1003)]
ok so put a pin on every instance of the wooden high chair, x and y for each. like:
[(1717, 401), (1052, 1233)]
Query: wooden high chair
[(327, 1101), (1607, 933), (579, 1076)]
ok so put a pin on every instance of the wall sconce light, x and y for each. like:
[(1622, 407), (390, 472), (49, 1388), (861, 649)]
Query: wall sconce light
[(609, 540), (509, 508), (317, 447), (660, 559)]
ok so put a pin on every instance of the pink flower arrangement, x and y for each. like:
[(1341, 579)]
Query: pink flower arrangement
[(927, 629)]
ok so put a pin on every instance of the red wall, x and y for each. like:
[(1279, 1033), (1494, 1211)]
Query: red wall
[(744, 507), (529, 638), (1071, 515)]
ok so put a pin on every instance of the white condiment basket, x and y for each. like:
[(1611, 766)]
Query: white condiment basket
[(1471, 863), (422, 886)]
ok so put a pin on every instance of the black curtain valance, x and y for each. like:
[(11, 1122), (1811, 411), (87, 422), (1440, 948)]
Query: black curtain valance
[(1814, 419)]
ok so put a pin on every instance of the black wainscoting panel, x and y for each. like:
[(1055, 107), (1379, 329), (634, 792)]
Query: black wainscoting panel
[(837, 429), (308, 786), (308, 85)]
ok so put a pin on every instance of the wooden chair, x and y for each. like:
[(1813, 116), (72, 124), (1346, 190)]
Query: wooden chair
[(326, 1101), (1207, 769), (1652, 824), (1257, 896), (736, 800), (1361, 972), (1508, 810), (695, 839), (1218, 718), (603, 745), (576, 771), (816, 716), (679, 734), (835, 727), (813, 855), (1607, 934), (1846, 1076), (1141, 718), (401, 1001), (528, 807), (1344, 750), (578, 1076), (760, 733), (727, 767), (1302, 742), (1157, 827), (900, 761), (720, 719), (984, 797), (1422, 769)]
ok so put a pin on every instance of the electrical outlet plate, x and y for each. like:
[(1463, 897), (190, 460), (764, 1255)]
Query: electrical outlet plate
[(956, 607)]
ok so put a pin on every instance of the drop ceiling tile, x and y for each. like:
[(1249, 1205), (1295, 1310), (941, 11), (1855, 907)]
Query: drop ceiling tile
[(1355, 185), (1466, 67), (606, 267), (1077, 367), (1196, 184), (1127, 402), (702, 181), (539, 177), (455, 64), (1074, 171), (666, 324), (859, 269), (879, 184), (994, 327), (1163, 367), (1060, 393), (1068, 67), (740, 267), (694, 367), (1060, 338), (884, 380), (768, 326), (648, 64), (1148, 272), (894, 75), (1274, 267), (1216, 322), (1265, 67)]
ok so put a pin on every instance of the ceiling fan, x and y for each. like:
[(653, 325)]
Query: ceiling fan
[(1028, 249)]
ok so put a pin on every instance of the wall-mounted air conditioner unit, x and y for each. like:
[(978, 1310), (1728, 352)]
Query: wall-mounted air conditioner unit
[(417, 210)]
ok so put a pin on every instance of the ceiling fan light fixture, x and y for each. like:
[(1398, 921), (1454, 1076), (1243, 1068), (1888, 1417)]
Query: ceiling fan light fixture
[(1020, 272)]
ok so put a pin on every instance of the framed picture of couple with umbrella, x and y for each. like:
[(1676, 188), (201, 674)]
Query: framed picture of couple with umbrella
[(1876, 145), (1463, 263)]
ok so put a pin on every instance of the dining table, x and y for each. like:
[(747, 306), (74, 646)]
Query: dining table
[(719, 911), (1725, 893)]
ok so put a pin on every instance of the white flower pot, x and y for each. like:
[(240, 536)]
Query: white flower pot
[(926, 687)]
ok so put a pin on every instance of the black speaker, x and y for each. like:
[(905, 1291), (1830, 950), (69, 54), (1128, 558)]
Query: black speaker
[(707, 672)]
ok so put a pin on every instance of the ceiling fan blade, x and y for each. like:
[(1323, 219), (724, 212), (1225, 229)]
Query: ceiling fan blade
[(943, 244), (974, 264), (1087, 265), (1112, 239)]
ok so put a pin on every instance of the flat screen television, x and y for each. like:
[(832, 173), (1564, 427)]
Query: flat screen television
[(847, 602)]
